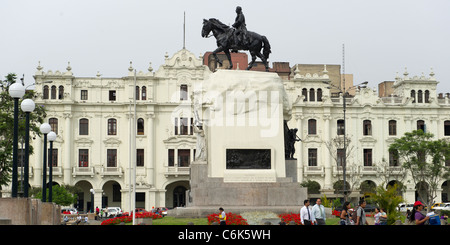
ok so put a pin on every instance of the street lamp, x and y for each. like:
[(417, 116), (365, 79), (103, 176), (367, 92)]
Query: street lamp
[(51, 137), (27, 106), (16, 91), (45, 129), (344, 108)]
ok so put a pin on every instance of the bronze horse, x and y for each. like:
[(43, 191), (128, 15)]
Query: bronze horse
[(225, 42)]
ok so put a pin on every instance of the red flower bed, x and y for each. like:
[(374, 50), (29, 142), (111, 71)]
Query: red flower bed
[(287, 218), (336, 213), (232, 219), (126, 218)]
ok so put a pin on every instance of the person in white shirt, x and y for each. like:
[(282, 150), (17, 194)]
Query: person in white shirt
[(319, 212), (222, 216), (306, 215)]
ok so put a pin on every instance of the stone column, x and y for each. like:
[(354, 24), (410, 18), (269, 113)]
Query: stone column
[(299, 148), (328, 182), (38, 158), (68, 138), (150, 155)]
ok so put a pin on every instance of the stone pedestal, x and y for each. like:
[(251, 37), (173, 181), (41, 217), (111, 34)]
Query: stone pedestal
[(243, 115)]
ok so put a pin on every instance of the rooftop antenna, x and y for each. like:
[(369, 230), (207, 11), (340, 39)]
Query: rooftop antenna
[(343, 67), (184, 31)]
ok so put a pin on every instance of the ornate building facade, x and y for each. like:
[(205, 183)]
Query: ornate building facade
[(94, 117)]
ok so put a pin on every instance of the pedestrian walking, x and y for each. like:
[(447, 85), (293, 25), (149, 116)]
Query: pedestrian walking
[(318, 211), (345, 217), (383, 217), (306, 216), (376, 216), (361, 214), (416, 216)]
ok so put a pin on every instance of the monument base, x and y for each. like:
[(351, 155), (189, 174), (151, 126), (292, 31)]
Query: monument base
[(207, 191)]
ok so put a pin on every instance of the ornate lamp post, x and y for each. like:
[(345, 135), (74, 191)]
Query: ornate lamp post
[(51, 137), (344, 93), (45, 129), (27, 106), (16, 91)]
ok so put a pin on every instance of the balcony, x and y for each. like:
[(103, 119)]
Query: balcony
[(56, 171), (314, 170), (21, 171), (111, 171), (83, 171), (350, 170), (176, 171), (368, 170)]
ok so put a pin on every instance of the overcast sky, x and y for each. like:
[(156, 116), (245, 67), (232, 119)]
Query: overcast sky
[(381, 37)]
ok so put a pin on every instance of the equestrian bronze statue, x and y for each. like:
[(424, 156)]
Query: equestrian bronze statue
[(237, 38)]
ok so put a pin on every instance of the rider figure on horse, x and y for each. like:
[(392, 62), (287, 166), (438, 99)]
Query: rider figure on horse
[(240, 37)]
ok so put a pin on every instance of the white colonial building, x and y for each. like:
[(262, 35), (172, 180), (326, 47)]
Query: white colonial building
[(94, 117)]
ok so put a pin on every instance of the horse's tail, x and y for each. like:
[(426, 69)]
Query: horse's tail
[(266, 48)]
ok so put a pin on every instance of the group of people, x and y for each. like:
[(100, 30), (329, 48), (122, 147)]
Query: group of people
[(312, 216), (358, 216)]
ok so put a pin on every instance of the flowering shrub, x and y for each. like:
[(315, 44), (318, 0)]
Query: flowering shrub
[(126, 218), (287, 218), (232, 219), (336, 213)]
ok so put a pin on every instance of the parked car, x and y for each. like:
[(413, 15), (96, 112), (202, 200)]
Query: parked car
[(114, 211), (369, 208), (140, 210), (163, 211), (444, 206), (69, 211), (438, 204), (403, 207)]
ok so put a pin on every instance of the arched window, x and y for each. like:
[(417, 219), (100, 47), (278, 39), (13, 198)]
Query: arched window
[(84, 126), (53, 124), (305, 93), (447, 128), (183, 92), (112, 126), (319, 94), (427, 96), (340, 127), (312, 126), (137, 93), (392, 127), (61, 92), (144, 93), (413, 96), (367, 127), (45, 93), (140, 126), (312, 95), (421, 125), (419, 96), (53, 92)]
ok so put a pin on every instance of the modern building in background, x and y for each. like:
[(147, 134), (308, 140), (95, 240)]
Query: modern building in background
[(93, 118)]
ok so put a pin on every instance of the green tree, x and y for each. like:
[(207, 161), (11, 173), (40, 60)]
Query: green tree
[(387, 199), (424, 158), (61, 195), (7, 125)]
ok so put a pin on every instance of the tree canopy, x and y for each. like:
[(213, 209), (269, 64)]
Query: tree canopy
[(7, 126), (424, 158)]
